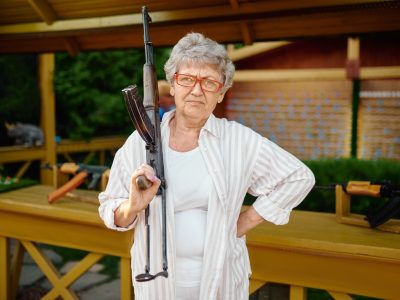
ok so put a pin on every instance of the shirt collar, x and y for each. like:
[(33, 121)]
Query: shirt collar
[(211, 125)]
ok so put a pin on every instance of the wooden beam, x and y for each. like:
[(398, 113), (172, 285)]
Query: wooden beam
[(220, 12), (48, 121), (286, 75), (44, 10), (234, 4), (380, 72), (72, 46), (19, 153), (256, 48), (353, 58), (247, 33), (353, 48), (315, 74)]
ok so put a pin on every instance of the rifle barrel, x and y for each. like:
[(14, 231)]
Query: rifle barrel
[(148, 45)]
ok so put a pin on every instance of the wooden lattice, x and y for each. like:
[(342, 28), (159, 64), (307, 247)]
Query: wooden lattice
[(379, 120), (309, 119)]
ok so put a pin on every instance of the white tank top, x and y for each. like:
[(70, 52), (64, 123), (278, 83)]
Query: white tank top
[(191, 186)]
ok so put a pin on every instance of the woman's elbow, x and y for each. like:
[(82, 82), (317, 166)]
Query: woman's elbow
[(309, 179)]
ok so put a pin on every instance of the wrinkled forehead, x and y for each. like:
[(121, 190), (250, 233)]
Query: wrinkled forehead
[(200, 69)]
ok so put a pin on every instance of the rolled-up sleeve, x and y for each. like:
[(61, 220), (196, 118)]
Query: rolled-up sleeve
[(116, 192), (280, 181)]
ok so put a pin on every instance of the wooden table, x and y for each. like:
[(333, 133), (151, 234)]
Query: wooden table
[(313, 250), (26, 216), (316, 251)]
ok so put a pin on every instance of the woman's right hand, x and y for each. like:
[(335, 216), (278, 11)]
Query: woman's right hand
[(140, 199)]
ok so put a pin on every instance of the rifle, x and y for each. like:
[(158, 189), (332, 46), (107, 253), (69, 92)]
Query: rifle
[(81, 172), (377, 190), (145, 117)]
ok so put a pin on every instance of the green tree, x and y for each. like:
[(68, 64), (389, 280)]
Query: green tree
[(88, 90), (19, 92)]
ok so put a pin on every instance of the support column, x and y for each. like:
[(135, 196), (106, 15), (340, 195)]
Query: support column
[(48, 120), (353, 73)]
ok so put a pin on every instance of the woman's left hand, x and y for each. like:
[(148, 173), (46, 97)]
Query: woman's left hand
[(248, 219)]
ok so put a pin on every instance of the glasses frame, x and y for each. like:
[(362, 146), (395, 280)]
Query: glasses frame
[(199, 80)]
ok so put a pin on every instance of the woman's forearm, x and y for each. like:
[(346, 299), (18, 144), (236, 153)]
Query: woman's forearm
[(125, 214)]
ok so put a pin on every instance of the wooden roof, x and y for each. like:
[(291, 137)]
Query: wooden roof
[(80, 25)]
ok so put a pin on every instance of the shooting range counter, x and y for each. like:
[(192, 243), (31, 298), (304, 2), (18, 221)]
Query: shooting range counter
[(313, 250), (26, 216)]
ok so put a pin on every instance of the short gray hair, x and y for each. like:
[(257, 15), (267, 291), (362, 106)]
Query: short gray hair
[(195, 48)]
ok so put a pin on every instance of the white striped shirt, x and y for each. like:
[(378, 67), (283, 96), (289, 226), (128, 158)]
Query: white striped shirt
[(239, 161)]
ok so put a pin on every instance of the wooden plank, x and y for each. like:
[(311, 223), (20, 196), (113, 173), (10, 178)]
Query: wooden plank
[(288, 75), (44, 10), (17, 153), (380, 72), (96, 144), (254, 49)]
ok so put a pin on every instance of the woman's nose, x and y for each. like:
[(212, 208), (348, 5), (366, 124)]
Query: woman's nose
[(197, 88)]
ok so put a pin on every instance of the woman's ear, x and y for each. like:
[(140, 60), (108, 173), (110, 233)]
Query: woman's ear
[(172, 91), (221, 97)]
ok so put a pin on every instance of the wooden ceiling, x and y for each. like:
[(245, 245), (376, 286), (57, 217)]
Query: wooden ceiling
[(82, 25)]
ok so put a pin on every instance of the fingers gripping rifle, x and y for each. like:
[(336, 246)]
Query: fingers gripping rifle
[(146, 119)]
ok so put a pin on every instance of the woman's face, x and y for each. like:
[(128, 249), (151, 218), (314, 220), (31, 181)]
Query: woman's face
[(194, 102)]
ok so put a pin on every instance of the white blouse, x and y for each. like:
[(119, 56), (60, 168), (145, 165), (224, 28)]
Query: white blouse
[(189, 176)]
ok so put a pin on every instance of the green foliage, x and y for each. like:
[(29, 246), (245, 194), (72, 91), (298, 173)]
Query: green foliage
[(19, 92), (88, 90), (330, 171), (89, 102)]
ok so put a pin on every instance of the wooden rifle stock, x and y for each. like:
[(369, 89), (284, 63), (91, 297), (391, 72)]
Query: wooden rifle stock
[(76, 181)]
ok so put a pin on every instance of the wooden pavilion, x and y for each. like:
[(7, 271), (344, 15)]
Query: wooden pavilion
[(345, 255)]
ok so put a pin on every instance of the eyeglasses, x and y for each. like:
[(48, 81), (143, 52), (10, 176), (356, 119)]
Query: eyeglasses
[(206, 84)]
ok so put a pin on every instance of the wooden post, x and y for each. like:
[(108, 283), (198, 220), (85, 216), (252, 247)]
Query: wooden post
[(353, 73), (46, 74), (5, 291)]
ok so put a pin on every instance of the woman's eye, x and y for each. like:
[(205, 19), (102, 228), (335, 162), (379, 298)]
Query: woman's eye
[(187, 79), (209, 83)]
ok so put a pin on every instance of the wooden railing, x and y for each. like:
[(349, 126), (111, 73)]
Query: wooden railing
[(27, 155)]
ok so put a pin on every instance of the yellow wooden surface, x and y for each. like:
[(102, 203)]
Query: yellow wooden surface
[(314, 250), (26, 215)]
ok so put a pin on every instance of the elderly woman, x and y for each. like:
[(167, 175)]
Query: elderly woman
[(210, 165)]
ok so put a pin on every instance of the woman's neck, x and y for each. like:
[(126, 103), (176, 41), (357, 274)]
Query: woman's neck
[(184, 135)]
